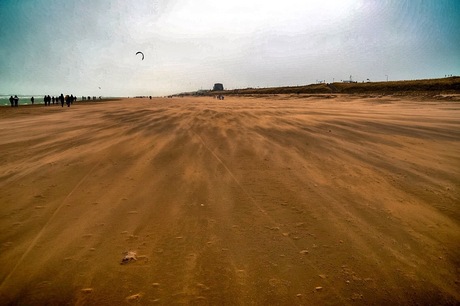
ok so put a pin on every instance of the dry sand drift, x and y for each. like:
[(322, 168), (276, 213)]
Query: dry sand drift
[(262, 201)]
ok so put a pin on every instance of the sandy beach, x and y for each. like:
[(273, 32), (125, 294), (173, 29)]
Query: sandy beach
[(277, 200)]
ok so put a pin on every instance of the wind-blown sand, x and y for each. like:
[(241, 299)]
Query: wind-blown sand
[(262, 201)]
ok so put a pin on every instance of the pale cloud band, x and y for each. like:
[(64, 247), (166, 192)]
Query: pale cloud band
[(78, 46)]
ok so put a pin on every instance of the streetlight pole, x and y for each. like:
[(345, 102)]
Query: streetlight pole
[(387, 77)]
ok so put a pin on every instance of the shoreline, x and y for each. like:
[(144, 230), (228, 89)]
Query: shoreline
[(58, 104)]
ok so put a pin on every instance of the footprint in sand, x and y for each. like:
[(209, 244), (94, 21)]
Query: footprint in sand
[(203, 287)]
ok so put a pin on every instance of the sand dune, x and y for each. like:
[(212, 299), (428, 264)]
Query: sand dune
[(262, 201)]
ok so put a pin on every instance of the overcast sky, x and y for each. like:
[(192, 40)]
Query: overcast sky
[(88, 47)]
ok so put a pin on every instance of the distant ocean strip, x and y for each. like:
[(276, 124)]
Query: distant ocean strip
[(25, 99)]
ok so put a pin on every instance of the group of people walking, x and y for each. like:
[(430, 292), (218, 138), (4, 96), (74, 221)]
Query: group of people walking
[(60, 99), (14, 101)]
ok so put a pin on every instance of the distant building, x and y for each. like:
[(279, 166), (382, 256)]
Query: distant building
[(218, 87)]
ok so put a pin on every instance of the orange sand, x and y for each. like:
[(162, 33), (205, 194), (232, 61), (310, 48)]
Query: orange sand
[(263, 201)]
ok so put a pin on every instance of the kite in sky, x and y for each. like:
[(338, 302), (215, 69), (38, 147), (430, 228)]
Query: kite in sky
[(139, 52)]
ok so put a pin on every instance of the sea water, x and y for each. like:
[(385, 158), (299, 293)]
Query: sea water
[(23, 100)]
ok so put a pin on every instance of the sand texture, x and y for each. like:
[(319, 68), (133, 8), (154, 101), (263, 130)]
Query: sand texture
[(334, 200)]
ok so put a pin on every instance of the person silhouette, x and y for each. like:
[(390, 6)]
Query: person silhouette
[(67, 100)]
